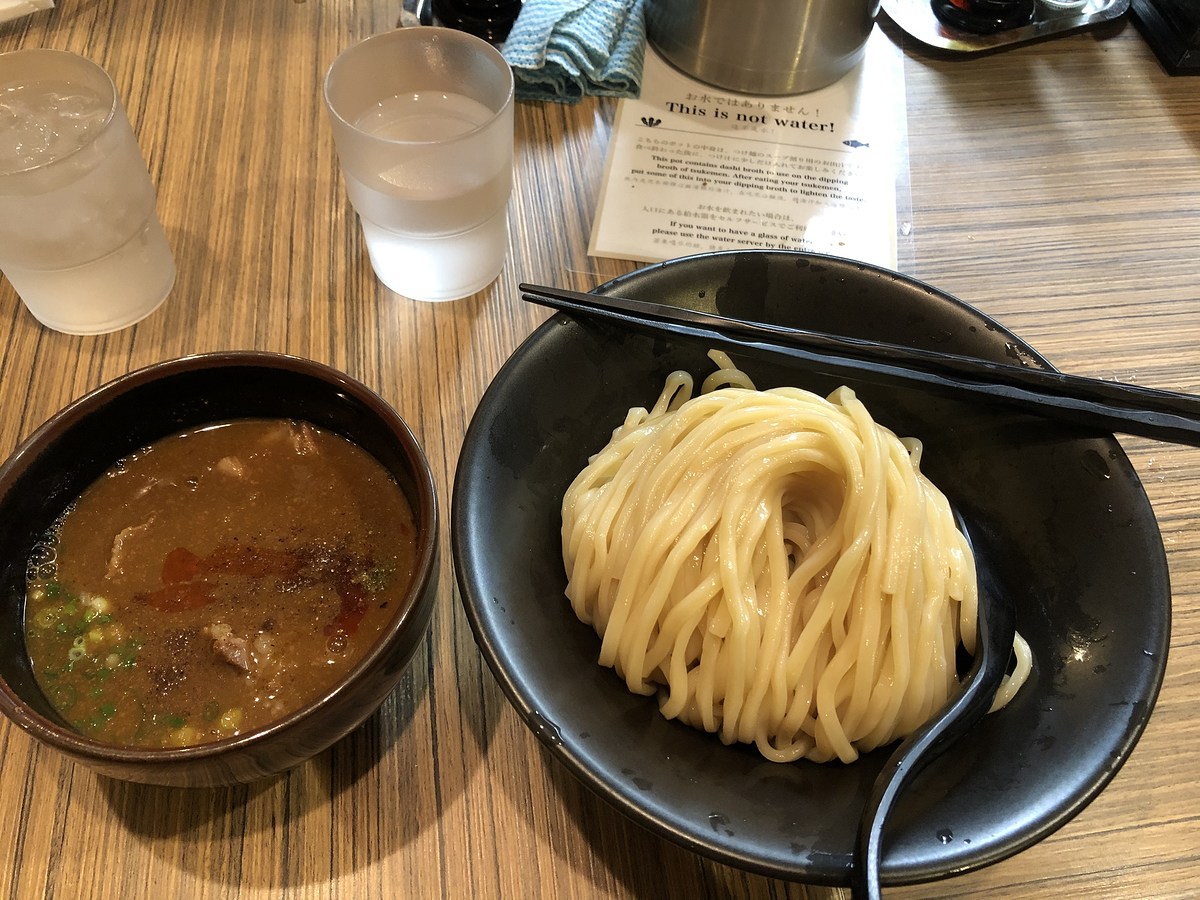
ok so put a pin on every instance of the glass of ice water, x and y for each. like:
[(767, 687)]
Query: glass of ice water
[(422, 118), (80, 240)]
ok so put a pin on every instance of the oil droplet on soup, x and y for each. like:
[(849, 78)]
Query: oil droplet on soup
[(215, 581)]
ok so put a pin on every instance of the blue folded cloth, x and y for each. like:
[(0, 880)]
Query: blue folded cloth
[(564, 50)]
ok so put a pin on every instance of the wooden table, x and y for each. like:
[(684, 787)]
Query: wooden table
[(1055, 186)]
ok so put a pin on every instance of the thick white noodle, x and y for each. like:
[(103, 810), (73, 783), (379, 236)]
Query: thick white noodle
[(775, 566)]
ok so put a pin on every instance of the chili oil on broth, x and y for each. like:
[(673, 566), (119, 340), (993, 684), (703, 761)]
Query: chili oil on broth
[(215, 581)]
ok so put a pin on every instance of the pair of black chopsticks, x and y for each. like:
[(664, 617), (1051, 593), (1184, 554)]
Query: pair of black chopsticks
[(1088, 402)]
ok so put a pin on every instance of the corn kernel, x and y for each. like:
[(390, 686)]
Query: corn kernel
[(231, 720), (183, 737)]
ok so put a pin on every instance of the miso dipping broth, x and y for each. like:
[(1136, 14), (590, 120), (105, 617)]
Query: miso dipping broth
[(215, 581)]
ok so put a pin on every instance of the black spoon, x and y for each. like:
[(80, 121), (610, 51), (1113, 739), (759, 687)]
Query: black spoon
[(993, 649)]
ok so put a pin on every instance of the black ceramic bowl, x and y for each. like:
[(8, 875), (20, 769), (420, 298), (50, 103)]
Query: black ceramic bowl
[(1057, 515), (73, 448)]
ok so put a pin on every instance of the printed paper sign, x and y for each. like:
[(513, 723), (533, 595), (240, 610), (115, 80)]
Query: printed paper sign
[(692, 168)]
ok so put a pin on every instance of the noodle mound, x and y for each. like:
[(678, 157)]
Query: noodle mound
[(775, 565)]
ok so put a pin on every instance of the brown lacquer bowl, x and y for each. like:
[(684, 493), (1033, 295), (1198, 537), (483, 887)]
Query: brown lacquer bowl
[(73, 448)]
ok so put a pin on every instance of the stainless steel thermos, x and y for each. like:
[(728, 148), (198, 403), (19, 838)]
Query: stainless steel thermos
[(762, 46)]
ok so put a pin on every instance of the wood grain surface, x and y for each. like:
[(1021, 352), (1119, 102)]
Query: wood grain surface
[(1055, 186)]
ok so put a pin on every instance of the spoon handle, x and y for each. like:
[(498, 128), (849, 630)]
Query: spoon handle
[(1108, 406), (997, 628)]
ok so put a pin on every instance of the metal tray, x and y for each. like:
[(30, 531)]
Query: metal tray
[(917, 18)]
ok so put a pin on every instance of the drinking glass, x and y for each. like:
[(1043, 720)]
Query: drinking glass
[(422, 119), (80, 240)]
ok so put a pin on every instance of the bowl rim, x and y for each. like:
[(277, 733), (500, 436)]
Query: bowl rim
[(425, 509)]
